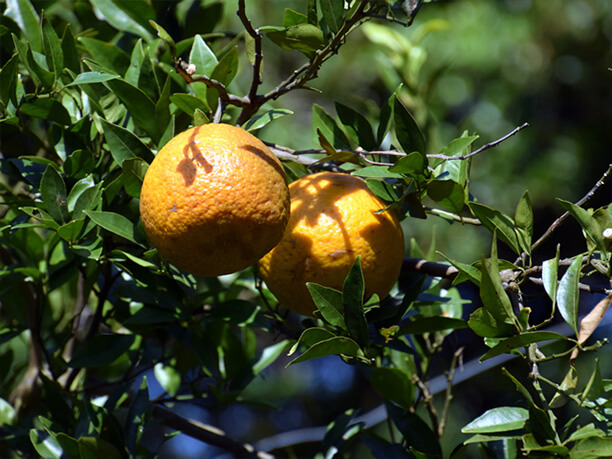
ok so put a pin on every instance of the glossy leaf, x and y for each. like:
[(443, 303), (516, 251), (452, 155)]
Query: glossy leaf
[(261, 120), (500, 419), (447, 193), (101, 350), (333, 13), (116, 15), (492, 293), (306, 38), (458, 146), (112, 58), (568, 293), (550, 269), (123, 144), (202, 57), (113, 222), (394, 385), (92, 77), (338, 345), (352, 300), (522, 340), (54, 196), (322, 121), (52, 48), (46, 109), (523, 218), (376, 172), (328, 302), (407, 132), (26, 17), (356, 126), (167, 377), (496, 221), (589, 225), (413, 164)]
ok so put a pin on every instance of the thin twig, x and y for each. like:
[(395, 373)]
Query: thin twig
[(207, 434), (252, 95), (481, 149), (580, 203), (450, 375), (452, 216)]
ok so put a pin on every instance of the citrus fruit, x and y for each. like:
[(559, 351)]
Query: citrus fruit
[(334, 218), (214, 200)]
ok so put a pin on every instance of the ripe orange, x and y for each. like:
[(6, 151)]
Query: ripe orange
[(214, 200), (333, 220)]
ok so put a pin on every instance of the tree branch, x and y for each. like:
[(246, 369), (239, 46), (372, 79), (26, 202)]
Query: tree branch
[(207, 434), (580, 203), (483, 148)]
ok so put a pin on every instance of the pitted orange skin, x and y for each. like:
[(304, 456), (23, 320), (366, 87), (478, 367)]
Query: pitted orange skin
[(333, 220), (214, 200)]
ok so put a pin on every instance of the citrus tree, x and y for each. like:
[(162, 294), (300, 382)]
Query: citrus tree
[(114, 341)]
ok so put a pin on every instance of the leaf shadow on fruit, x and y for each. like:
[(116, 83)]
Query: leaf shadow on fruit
[(193, 154)]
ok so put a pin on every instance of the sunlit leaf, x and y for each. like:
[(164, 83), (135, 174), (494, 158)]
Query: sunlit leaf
[(568, 293), (338, 345), (522, 340), (113, 222), (500, 419)]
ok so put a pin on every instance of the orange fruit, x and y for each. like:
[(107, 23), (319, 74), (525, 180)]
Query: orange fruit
[(333, 220), (214, 200)]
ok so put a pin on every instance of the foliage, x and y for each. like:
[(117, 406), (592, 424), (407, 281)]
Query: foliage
[(90, 315)]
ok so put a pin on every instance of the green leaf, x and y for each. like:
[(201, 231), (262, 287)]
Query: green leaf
[(413, 164), (522, 340), (496, 221), (420, 325), (109, 56), (164, 35), (79, 164), (92, 77), (52, 48), (47, 110), (54, 196), (72, 60), (167, 377), (123, 144), (457, 146), (333, 13), (260, 121), (291, 18), (202, 57), (592, 448), (8, 414), (382, 189), (415, 431), (568, 293), (133, 428), (115, 223), (338, 345), (46, 445), (188, 103), (501, 419), (523, 218), (8, 79), (594, 388), (101, 350), (94, 448), (448, 193), (306, 38), (329, 303), (352, 300), (269, 356), (357, 126), (26, 17), (483, 323), (394, 385), (140, 106), (494, 298), (407, 132), (119, 17), (376, 172), (550, 269), (589, 225), (310, 337), (224, 72), (322, 121), (469, 272)]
